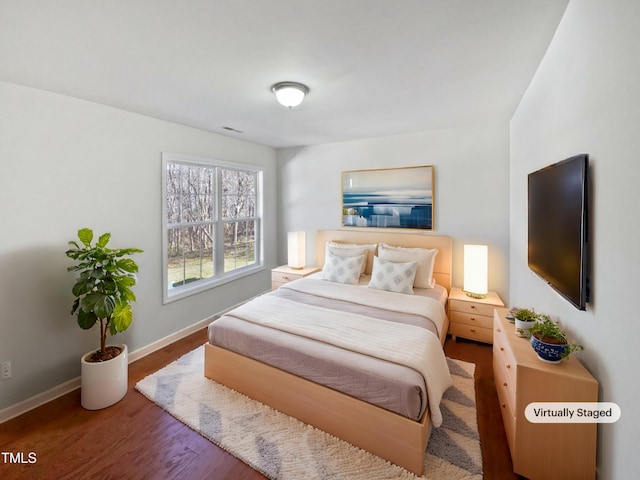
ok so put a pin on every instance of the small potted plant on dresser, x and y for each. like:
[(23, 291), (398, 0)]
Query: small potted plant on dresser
[(525, 319), (103, 296), (550, 342)]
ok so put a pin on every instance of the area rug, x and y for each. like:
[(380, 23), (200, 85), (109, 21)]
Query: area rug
[(281, 447)]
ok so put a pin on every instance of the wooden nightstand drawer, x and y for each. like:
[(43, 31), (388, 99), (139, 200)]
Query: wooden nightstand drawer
[(285, 274), (282, 277), (471, 319), (471, 308), (469, 331)]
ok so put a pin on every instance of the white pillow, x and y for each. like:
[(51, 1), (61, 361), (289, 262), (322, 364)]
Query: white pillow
[(343, 269), (353, 250), (425, 258), (393, 276)]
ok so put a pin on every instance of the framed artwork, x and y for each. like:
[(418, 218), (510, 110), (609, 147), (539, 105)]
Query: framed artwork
[(388, 198)]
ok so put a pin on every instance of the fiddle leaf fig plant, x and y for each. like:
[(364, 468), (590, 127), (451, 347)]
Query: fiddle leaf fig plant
[(103, 287)]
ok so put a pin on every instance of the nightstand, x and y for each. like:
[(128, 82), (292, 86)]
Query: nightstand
[(472, 317), (286, 274)]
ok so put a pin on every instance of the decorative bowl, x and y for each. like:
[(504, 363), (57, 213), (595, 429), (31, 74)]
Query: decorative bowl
[(548, 352)]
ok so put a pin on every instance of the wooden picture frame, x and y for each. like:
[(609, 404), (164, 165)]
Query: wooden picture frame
[(388, 198)]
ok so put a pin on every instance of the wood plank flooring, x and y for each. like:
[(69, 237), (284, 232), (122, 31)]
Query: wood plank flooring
[(135, 439)]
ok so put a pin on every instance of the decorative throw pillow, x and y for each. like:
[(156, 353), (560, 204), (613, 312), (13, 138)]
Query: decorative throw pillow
[(353, 250), (342, 269), (393, 276), (425, 258)]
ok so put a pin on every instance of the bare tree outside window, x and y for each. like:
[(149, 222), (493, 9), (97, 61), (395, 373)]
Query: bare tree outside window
[(211, 221)]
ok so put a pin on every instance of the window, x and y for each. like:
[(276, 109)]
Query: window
[(211, 222)]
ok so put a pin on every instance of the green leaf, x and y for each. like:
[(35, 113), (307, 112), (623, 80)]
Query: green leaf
[(126, 281), (81, 287), (86, 236), (127, 265), (127, 294), (103, 240), (121, 319), (100, 304), (86, 320)]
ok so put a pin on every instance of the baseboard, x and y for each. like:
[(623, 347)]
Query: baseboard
[(39, 399), (70, 385)]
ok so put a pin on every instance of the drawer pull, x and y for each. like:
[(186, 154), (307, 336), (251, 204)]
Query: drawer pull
[(499, 330), (473, 330), (473, 307), (285, 277), (508, 365), (502, 349), (473, 319), (505, 384), (504, 405)]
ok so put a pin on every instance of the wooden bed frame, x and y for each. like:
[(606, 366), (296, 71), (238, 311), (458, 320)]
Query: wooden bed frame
[(389, 435)]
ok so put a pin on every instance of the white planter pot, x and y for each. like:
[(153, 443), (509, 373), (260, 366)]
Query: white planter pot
[(104, 383), (522, 328)]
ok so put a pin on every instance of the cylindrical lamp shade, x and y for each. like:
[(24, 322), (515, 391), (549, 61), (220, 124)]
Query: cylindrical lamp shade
[(476, 259), (296, 249)]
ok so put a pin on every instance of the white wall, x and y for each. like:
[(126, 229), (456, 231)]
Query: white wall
[(67, 164), (471, 187), (585, 98)]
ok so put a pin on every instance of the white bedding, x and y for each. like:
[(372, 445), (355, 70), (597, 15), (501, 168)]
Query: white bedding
[(408, 345), (426, 302)]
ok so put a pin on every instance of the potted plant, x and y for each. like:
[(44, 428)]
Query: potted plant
[(103, 296), (525, 320), (550, 341)]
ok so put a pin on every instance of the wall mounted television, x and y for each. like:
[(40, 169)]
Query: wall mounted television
[(558, 229)]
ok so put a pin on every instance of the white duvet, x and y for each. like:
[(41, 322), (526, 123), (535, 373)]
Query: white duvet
[(409, 345)]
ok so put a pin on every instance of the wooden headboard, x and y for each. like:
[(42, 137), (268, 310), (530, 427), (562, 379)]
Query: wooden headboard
[(442, 268)]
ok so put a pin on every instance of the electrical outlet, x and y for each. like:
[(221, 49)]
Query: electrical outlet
[(6, 370)]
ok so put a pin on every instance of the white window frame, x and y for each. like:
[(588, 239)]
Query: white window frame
[(220, 277)]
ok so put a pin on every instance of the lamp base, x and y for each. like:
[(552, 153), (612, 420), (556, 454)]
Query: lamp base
[(475, 295), (295, 268)]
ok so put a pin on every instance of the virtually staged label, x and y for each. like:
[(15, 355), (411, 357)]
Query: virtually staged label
[(572, 412)]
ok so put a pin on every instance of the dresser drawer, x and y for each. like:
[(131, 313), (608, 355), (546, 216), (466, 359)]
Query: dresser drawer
[(481, 334), (505, 385), (471, 307), (504, 356), (471, 319), (507, 410)]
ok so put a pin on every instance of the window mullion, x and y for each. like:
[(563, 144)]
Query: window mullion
[(219, 225)]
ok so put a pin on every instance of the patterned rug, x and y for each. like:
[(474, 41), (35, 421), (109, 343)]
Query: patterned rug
[(281, 447)]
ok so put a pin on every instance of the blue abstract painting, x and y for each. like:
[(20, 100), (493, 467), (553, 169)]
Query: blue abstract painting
[(388, 198)]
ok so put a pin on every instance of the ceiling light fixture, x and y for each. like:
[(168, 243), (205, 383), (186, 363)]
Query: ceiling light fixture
[(290, 94)]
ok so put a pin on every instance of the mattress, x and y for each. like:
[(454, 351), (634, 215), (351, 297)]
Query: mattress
[(389, 385)]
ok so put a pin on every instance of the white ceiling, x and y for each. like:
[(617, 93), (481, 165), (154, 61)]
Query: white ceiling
[(374, 67)]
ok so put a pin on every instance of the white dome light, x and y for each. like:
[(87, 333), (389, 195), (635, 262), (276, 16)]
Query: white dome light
[(290, 94)]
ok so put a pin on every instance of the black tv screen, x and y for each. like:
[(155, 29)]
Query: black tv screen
[(557, 227)]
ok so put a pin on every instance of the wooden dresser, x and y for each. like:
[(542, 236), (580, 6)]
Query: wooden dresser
[(472, 317), (544, 451), (285, 274)]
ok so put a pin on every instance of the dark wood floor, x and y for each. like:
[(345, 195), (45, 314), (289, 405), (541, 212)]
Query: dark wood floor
[(135, 439)]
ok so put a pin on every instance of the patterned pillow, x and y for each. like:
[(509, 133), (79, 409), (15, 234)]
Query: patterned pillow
[(393, 276), (343, 269), (425, 258), (354, 250)]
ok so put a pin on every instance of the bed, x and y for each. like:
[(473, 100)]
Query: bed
[(346, 358)]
